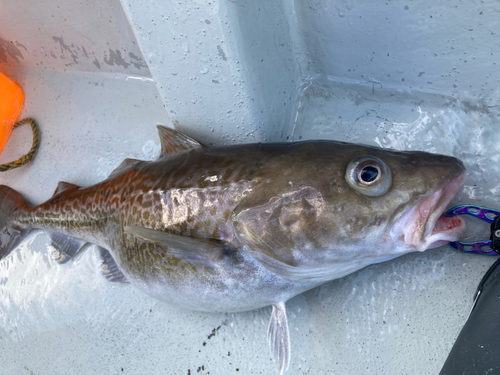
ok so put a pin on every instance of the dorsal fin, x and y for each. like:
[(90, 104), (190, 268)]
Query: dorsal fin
[(173, 141), (61, 186), (125, 164)]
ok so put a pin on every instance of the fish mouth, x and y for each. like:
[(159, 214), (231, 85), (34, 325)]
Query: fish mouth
[(425, 226)]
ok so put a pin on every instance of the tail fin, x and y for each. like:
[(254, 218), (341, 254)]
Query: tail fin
[(10, 200)]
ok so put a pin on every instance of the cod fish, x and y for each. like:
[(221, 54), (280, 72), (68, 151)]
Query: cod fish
[(236, 228)]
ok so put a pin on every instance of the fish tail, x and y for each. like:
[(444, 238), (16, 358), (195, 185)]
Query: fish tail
[(10, 201)]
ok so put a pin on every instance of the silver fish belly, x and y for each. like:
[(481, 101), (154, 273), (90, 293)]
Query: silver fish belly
[(240, 227)]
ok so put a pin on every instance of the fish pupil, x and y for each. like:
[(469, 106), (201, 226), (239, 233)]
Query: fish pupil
[(369, 174), (227, 250)]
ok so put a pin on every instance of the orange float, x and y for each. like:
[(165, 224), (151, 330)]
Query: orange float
[(11, 102)]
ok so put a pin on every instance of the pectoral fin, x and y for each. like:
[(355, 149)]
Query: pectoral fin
[(278, 337), (204, 252)]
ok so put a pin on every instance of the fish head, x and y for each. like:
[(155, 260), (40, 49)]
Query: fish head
[(335, 203), (397, 199)]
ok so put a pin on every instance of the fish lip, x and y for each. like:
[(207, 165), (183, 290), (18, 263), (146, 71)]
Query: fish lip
[(425, 227)]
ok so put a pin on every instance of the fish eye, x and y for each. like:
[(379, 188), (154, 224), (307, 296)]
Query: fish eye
[(368, 175)]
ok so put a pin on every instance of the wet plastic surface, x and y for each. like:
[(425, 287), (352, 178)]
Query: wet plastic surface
[(476, 350), (397, 317)]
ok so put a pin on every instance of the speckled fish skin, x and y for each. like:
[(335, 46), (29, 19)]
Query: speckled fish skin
[(287, 202), (240, 227)]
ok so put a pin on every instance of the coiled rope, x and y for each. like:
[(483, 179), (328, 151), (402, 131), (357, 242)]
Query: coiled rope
[(25, 158)]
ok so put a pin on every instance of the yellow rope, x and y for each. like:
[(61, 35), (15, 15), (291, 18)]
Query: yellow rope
[(25, 158)]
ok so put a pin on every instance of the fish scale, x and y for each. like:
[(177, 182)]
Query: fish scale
[(235, 228)]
